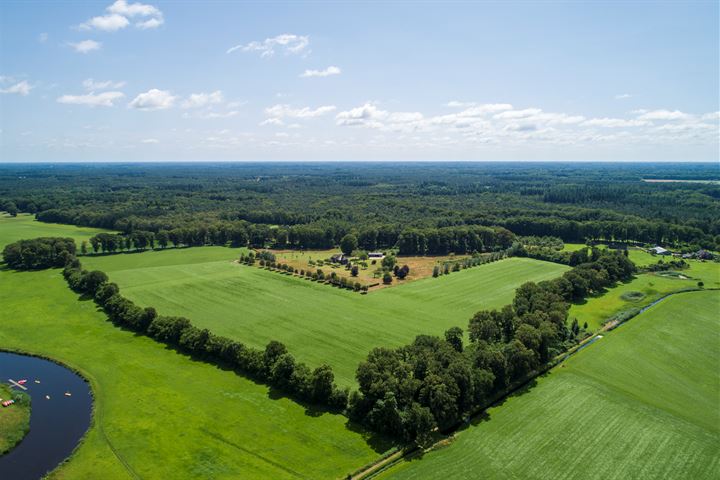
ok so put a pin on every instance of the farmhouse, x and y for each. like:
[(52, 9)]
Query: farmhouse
[(375, 255), (660, 251), (340, 258)]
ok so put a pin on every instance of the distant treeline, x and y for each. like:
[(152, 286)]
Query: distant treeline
[(410, 208)]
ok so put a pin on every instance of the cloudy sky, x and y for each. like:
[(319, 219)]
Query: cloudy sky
[(220, 80)]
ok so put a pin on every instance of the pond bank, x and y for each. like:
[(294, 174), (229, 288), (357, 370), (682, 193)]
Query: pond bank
[(61, 414)]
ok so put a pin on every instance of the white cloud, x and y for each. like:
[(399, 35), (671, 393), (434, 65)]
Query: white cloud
[(711, 116), (42, 38), (86, 46), (272, 121), (104, 99), (153, 99), (662, 115), (106, 23), (150, 140), (198, 100), (622, 96), (367, 115), (92, 85), (21, 88), (119, 15), (148, 24), (517, 114), (331, 70), (614, 123), (459, 104), (121, 7), (282, 111), (288, 43)]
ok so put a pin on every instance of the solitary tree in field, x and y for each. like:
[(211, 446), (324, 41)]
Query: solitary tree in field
[(387, 278), (83, 247), (348, 244), (354, 271), (436, 271)]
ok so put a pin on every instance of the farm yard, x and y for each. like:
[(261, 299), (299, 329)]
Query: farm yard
[(369, 270), (639, 403), (317, 323)]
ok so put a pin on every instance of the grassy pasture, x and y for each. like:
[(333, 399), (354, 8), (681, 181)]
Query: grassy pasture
[(317, 322), (595, 311), (166, 415), (25, 227), (162, 413), (640, 403)]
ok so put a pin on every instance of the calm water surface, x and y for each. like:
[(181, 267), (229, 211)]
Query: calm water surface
[(56, 424)]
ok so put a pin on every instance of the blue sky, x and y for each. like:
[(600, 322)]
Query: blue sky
[(124, 80)]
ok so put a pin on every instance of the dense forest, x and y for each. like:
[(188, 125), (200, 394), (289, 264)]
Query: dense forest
[(419, 208)]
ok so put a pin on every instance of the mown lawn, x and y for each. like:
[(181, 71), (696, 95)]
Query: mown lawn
[(595, 311), (319, 323), (166, 415), (640, 403)]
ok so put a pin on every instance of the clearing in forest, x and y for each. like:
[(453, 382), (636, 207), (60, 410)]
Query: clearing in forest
[(318, 323)]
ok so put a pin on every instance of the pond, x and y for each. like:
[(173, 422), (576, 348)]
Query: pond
[(57, 421)]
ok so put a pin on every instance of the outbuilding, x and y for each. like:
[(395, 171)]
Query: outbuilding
[(660, 251)]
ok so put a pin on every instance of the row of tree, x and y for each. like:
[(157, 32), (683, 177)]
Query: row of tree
[(435, 382), (274, 365), (465, 263)]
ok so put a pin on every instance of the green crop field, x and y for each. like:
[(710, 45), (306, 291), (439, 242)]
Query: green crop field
[(25, 226), (165, 414), (640, 403), (595, 311), (319, 323)]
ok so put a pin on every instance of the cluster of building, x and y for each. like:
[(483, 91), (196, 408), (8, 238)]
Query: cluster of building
[(700, 254)]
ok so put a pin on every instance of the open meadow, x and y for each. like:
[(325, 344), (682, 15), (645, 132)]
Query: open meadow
[(642, 290), (318, 323), (161, 414), (640, 403), (24, 227)]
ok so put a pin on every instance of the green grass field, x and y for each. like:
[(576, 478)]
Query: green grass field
[(15, 419), (640, 403), (595, 311), (317, 322), (24, 227), (165, 414), (160, 412)]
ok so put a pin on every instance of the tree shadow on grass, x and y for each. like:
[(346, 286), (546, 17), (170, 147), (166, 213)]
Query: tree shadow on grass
[(378, 443)]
